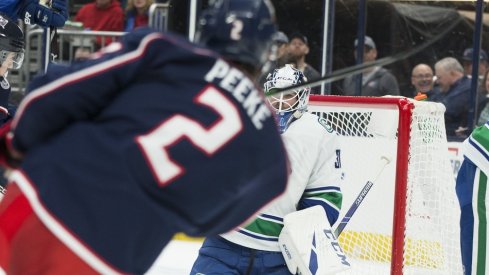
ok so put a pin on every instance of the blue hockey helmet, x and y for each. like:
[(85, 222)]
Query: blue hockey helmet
[(11, 42), (239, 30)]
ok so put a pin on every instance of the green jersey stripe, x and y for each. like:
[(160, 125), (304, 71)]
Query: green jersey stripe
[(265, 227), (481, 135), (482, 225), (332, 197)]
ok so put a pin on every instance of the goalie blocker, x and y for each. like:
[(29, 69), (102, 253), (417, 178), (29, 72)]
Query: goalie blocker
[(309, 245)]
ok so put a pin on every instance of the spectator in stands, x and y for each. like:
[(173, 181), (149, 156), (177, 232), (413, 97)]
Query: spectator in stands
[(422, 80), (483, 101), (137, 14), (454, 94), (298, 49), (376, 81), (467, 62), (281, 57), (102, 15)]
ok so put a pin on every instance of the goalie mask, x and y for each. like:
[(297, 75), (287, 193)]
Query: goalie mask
[(288, 106), (11, 42)]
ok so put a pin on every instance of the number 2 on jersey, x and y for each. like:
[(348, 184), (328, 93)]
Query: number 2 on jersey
[(209, 140)]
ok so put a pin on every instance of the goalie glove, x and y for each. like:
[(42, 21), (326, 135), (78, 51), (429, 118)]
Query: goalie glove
[(35, 13), (309, 245)]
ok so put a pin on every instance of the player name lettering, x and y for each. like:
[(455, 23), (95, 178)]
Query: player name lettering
[(242, 89)]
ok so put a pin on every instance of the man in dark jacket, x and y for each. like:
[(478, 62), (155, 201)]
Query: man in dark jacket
[(376, 81), (454, 94)]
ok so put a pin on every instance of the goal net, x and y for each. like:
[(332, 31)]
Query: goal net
[(409, 221)]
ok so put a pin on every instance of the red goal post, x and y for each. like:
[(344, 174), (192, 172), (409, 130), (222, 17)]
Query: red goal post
[(408, 223)]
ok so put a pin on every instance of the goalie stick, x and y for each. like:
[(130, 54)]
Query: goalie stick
[(356, 203)]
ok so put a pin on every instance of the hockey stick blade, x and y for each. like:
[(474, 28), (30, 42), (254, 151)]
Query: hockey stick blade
[(356, 203)]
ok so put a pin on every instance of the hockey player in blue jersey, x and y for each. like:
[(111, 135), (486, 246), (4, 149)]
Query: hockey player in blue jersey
[(314, 153), (151, 136), (11, 57), (49, 13)]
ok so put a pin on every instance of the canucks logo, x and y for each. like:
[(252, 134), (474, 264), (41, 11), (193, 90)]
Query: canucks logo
[(325, 124)]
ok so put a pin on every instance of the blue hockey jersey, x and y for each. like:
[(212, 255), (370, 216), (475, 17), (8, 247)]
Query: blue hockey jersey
[(152, 136), (11, 8)]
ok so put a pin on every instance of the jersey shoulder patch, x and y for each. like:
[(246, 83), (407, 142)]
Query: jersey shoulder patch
[(325, 124)]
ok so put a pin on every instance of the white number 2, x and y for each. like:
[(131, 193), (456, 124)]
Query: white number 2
[(236, 30), (209, 140)]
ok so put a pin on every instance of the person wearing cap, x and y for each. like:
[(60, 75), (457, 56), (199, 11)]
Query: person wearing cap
[(467, 62), (482, 92), (298, 49), (483, 101), (376, 81), (281, 57)]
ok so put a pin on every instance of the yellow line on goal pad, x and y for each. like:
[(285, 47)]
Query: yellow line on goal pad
[(377, 247), (183, 237)]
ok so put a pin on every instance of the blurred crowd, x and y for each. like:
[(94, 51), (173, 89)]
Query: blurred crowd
[(447, 81)]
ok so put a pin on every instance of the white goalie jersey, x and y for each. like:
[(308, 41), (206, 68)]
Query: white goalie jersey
[(315, 156)]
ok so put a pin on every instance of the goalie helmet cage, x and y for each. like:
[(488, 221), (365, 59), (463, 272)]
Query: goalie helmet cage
[(408, 223)]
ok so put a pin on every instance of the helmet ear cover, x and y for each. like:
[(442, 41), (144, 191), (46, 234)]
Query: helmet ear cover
[(240, 30)]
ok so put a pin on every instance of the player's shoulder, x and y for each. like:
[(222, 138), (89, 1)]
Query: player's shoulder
[(481, 135), (318, 123), (169, 43)]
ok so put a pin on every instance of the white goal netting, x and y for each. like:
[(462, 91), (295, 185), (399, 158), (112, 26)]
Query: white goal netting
[(416, 187)]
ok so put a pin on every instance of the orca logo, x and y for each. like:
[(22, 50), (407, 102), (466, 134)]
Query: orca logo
[(325, 124)]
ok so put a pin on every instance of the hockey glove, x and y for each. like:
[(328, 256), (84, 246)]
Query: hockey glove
[(35, 13), (6, 158), (60, 7)]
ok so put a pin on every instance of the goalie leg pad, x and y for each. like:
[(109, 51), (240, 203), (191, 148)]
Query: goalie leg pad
[(309, 245)]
